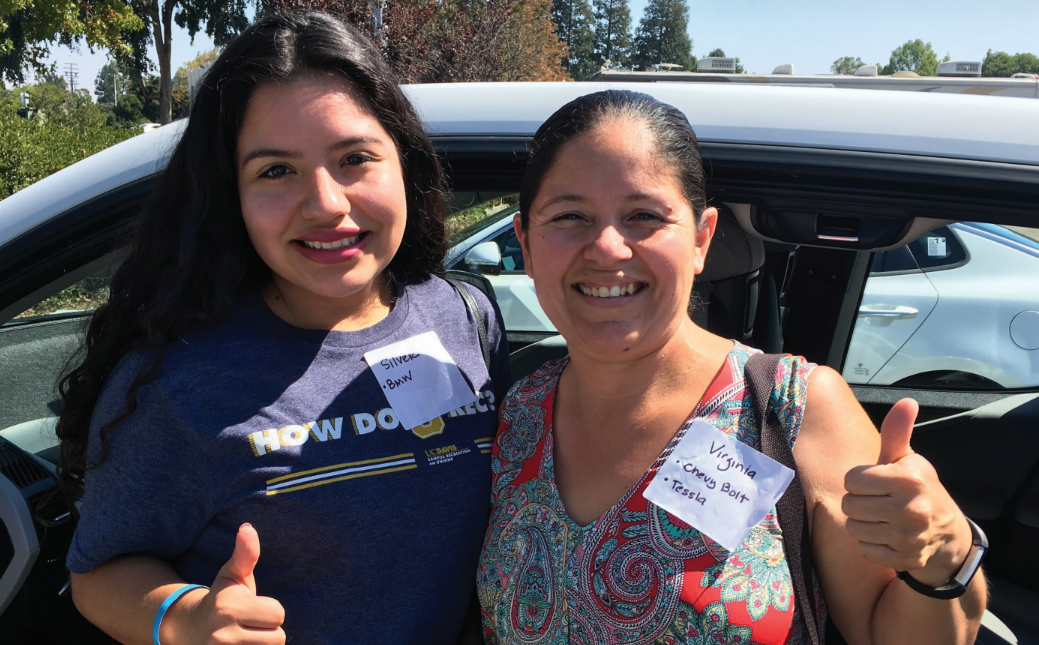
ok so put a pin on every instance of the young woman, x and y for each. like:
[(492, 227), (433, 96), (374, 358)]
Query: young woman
[(614, 226), (298, 226)]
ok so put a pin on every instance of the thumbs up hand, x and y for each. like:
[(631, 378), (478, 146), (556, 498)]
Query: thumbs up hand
[(232, 612), (901, 515)]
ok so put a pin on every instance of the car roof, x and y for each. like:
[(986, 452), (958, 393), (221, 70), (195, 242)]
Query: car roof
[(919, 123), (952, 126)]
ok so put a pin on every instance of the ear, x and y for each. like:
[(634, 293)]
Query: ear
[(704, 233), (521, 235)]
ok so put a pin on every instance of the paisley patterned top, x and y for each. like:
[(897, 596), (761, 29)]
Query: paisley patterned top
[(638, 574)]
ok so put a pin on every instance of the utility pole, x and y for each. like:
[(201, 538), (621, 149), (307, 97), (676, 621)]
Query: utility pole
[(71, 74)]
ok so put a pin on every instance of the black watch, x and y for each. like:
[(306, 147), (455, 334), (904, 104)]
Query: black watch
[(958, 585)]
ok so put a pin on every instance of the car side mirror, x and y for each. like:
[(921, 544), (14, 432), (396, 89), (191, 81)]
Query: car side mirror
[(484, 258)]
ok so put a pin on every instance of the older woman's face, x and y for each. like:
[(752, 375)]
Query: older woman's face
[(612, 245)]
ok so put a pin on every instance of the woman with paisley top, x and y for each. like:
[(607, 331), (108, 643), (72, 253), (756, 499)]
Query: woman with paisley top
[(614, 227)]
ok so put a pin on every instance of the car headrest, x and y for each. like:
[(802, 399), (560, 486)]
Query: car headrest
[(733, 252)]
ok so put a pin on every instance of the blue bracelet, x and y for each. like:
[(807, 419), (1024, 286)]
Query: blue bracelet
[(166, 604)]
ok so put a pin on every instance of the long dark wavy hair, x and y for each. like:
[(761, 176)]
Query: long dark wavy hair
[(190, 257)]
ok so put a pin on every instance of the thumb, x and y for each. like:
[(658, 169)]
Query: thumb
[(896, 431), (239, 569)]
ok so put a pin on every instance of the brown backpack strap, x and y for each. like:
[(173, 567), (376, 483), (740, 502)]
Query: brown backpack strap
[(760, 374)]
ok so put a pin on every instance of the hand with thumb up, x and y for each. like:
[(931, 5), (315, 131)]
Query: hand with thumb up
[(901, 515), (231, 612)]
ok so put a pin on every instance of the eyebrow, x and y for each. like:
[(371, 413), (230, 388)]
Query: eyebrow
[(295, 154), (580, 199)]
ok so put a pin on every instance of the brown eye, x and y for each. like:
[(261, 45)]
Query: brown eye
[(276, 171)]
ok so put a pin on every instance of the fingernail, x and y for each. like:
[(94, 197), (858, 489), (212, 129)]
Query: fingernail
[(245, 525)]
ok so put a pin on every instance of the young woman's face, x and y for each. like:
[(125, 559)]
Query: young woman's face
[(612, 244), (321, 188)]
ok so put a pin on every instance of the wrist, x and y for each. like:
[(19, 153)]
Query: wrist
[(176, 626), (943, 565)]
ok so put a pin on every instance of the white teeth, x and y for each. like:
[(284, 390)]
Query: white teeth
[(332, 245), (609, 292)]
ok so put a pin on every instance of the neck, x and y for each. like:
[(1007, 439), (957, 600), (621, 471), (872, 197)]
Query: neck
[(667, 371), (306, 310)]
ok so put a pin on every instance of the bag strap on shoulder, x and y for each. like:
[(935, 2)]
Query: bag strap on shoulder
[(474, 311), (760, 374)]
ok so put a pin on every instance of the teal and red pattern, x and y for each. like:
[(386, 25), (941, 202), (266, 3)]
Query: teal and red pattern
[(638, 574)]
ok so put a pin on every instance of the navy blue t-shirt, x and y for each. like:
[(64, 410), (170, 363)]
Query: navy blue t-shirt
[(369, 533)]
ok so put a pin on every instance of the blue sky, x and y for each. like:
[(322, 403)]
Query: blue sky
[(809, 34)]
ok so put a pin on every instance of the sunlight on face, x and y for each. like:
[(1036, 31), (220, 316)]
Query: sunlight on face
[(612, 244), (321, 188)]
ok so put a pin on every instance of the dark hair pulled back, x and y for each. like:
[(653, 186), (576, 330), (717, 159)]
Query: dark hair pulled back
[(190, 256), (672, 134)]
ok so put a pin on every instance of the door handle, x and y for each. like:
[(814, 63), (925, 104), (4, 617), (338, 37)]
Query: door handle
[(888, 311)]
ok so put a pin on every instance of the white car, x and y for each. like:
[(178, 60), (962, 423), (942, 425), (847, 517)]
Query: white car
[(972, 287), (811, 183)]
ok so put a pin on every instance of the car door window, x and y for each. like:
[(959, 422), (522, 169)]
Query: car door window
[(511, 253), (957, 308), (35, 347)]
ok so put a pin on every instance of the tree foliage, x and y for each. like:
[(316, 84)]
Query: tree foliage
[(58, 129), (575, 25), (846, 65), (1002, 64), (124, 27), (914, 56), (28, 27), (612, 33), (180, 80), (431, 41), (663, 36)]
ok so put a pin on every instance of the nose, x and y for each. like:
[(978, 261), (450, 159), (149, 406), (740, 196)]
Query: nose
[(326, 197), (607, 248)]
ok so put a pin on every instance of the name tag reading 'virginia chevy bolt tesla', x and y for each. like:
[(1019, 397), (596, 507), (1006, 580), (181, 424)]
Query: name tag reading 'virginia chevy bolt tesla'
[(718, 485), (419, 378)]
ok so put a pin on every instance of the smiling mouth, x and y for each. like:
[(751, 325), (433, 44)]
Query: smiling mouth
[(616, 291), (329, 246)]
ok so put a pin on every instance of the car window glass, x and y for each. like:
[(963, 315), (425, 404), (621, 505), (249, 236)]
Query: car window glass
[(36, 344), (471, 212), (511, 253), (900, 259), (966, 319), (938, 249)]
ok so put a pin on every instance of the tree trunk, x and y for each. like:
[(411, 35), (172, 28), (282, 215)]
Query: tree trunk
[(162, 27)]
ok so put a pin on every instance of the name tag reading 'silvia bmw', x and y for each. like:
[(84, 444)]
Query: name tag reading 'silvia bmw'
[(718, 485), (419, 378)]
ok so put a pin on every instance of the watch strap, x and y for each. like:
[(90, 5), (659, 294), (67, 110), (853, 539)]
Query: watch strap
[(958, 585)]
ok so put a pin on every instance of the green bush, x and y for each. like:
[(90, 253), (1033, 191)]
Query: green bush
[(61, 130)]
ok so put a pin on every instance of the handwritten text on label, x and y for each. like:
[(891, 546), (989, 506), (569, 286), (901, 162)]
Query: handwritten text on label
[(419, 378), (717, 484)]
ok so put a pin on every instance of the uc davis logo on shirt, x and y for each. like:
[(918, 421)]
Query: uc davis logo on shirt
[(264, 442)]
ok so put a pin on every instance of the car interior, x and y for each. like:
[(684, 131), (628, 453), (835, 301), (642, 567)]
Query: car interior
[(799, 232)]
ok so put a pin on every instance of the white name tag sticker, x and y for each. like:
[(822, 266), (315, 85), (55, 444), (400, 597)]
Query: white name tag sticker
[(419, 378), (718, 485)]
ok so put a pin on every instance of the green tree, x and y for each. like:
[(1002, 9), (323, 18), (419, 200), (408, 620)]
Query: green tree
[(846, 65), (180, 80), (59, 129), (124, 27), (612, 32), (914, 56), (1004, 65), (663, 36), (29, 27), (720, 53), (120, 97), (575, 26)]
